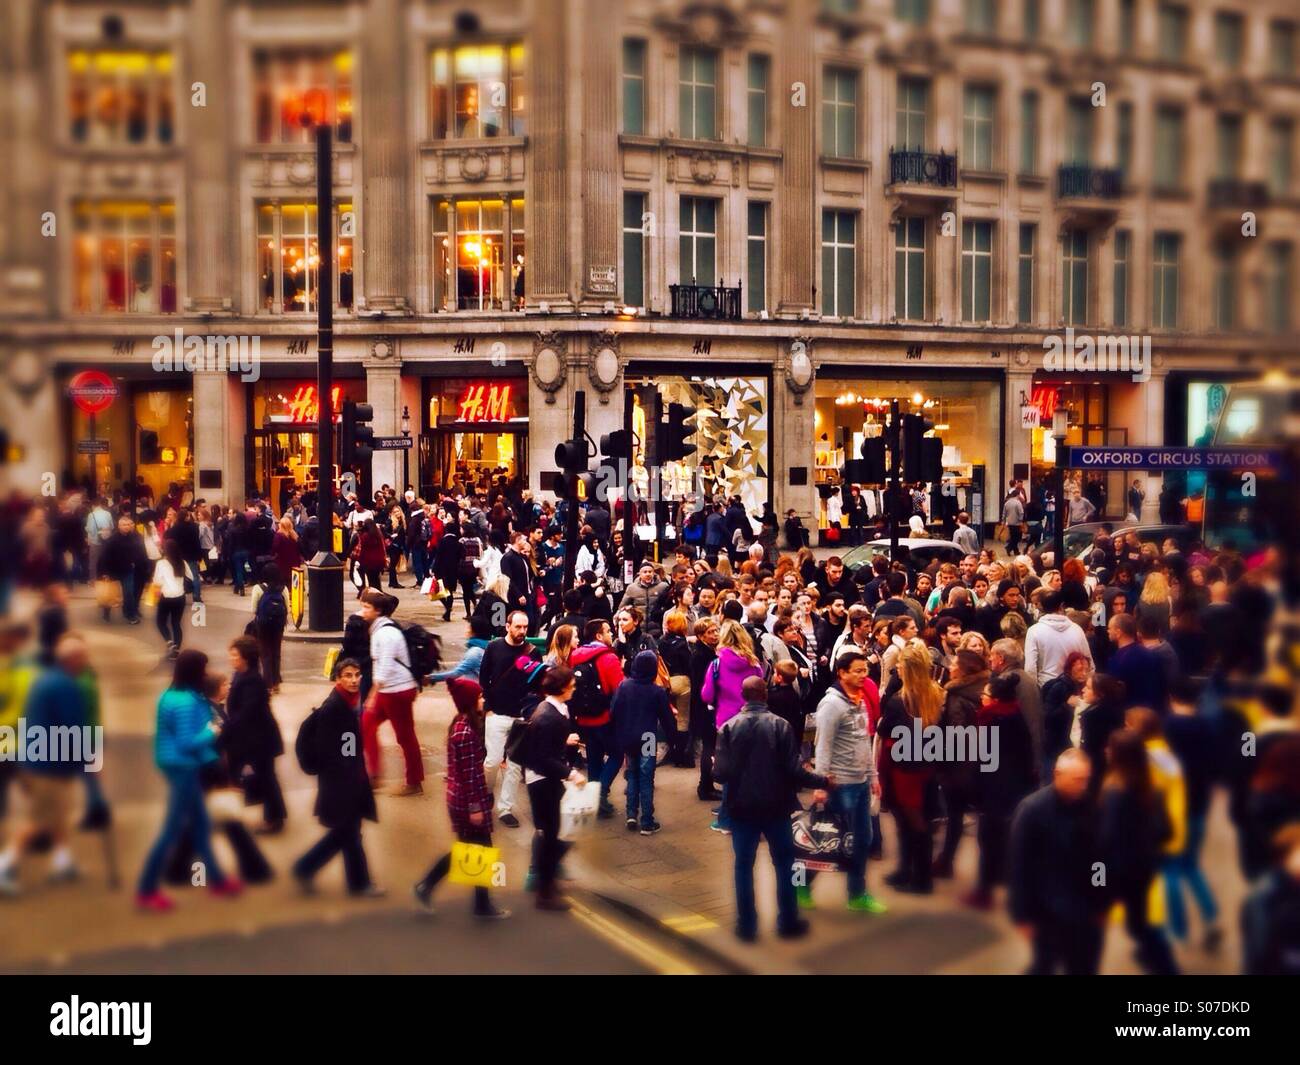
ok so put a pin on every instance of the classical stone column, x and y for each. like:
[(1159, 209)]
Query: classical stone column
[(27, 278), (220, 433), (209, 253), (796, 216), (385, 159), (546, 278), (601, 211)]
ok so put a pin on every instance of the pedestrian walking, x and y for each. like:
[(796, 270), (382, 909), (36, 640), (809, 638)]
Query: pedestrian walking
[(251, 737), (641, 715), (328, 748), (392, 697), (469, 802), (184, 742)]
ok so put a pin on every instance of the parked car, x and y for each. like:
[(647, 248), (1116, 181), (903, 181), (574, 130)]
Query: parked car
[(922, 553)]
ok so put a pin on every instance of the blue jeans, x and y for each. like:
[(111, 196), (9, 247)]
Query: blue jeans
[(852, 802), (419, 563), (640, 779), (1187, 866), (238, 569), (197, 581), (724, 818), (780, 845), (603, 758), (185, 809)]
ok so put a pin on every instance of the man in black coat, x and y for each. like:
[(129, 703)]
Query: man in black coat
[(1053, 847), (514, 564), (125, 560), (758, 761), (598, 518), (702, 720), (343, 798)]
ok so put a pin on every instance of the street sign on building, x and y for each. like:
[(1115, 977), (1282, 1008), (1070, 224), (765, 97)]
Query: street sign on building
[(92, 447), (391, 443), (1174, 458), (603, 279)]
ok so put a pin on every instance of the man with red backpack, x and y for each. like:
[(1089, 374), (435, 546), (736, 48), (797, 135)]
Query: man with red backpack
[(597, 673)]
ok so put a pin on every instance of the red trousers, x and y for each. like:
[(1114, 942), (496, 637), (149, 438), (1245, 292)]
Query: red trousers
[(397, 708)]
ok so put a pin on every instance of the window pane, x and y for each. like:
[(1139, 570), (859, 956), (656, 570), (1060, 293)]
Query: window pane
[(757, 100), (634, 86)]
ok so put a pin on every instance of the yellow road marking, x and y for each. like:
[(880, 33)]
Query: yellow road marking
[(642, 950), (691, 922)]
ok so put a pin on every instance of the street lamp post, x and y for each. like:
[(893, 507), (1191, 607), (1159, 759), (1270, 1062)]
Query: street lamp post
[(1060, 430), (325, 570), (406, 451)]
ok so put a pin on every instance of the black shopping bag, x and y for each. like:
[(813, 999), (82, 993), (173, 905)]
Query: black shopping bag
[(822, 841)]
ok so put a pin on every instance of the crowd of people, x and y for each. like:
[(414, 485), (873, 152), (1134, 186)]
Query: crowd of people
[(1099, 705)]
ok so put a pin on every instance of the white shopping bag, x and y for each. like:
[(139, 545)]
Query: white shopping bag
[(578, 809)]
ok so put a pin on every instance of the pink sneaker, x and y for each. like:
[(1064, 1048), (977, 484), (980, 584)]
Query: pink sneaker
[(228, 888), (156, 902)]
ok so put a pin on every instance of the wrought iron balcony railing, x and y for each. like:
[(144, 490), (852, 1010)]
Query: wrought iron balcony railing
[(1096, 182), (922, 168), (705, 301), (1232, 192)]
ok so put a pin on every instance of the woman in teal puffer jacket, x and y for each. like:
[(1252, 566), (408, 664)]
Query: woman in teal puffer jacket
[(184, 743)]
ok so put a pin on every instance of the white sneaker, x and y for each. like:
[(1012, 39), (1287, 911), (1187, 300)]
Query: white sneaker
[(69, 874)]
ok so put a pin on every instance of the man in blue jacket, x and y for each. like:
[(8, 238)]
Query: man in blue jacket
[(59, 747)]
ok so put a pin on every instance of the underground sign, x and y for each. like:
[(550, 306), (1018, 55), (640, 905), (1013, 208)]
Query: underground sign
[(93, 391)]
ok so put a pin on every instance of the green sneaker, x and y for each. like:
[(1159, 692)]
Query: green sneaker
[(803, 896), (866, 903)]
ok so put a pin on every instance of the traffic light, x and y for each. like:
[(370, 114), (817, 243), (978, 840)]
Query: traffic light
[(616, 445), (678, 442), (571, 457), (356, 438), (922, 455), (870, 469)]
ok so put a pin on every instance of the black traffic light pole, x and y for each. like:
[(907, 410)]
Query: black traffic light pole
[(571, 524), (895, 476), (325, 337), (325, 571)]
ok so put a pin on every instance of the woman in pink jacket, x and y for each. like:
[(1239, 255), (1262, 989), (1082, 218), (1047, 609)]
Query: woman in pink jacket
[(736, 661)]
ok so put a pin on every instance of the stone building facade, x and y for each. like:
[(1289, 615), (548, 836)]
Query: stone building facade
[(781, 214)]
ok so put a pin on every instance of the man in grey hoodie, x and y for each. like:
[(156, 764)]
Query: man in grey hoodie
[(844, 752)]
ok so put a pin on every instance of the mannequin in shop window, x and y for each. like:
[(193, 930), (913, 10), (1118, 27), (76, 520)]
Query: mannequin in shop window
[(857, 511)]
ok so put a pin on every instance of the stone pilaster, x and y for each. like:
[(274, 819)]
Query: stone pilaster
[(384, 394), (797, 212), (601, 211), (385, 159), (546, 279), (220, 431), (27, 278), (209, 253)]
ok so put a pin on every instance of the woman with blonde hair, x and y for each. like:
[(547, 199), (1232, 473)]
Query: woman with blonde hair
[(563, 641), (736, 662), (974, 641), (1154, 600), (285, 547), (906, 779)]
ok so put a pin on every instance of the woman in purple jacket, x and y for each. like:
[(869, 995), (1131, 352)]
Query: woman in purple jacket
[(736, 661)]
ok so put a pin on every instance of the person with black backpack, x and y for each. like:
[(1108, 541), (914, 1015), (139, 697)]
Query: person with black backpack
[(396, 682), (270, 616), (328, 748), (597, 674), (504, 691)]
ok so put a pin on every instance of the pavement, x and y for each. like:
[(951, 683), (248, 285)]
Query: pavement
[(659, 904)]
